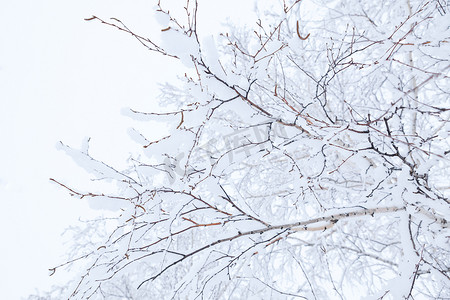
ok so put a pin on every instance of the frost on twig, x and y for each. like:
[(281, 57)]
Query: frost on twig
[(290, 168)]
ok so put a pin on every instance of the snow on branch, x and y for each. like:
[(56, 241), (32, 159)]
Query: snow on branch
[(312, 166)]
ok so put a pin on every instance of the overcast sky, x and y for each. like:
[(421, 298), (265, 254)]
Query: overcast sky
[(64, 79)]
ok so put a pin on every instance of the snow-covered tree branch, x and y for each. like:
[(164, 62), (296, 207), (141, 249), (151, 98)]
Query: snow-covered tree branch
[(307, 157)]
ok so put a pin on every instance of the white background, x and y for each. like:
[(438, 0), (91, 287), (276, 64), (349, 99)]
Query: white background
[(63, 79)]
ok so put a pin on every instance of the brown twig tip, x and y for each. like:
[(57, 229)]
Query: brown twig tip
[(141, 207), (91, 18), (182, 120), (298, 33)]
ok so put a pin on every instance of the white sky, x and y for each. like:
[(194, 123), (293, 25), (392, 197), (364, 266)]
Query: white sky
[(62, 78)]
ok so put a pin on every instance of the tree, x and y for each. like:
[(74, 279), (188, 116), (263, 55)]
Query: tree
[(307, 157)]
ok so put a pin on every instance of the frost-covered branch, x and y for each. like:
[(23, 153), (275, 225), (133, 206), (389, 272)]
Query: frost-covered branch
[(306, 157)]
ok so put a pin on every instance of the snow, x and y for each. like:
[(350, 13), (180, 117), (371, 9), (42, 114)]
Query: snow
[(211, 55), (162, 18), (177, 43), (31, 162)]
